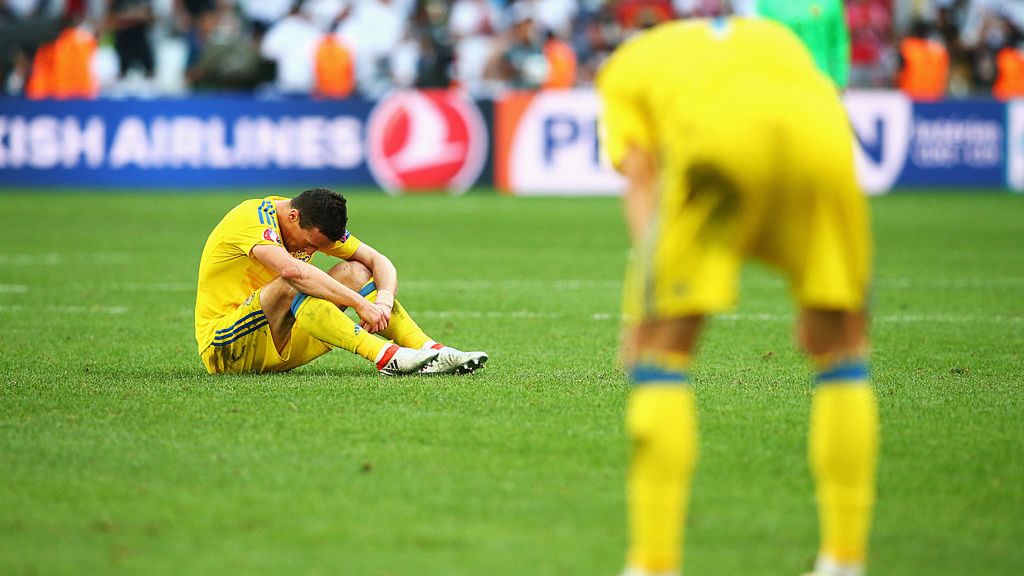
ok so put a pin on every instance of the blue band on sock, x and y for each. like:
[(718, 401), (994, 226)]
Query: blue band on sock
[(365, 290), (297, 301), (851, 370), (651, 374)]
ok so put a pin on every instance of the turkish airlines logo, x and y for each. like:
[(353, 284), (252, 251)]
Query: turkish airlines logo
[(422, 141)]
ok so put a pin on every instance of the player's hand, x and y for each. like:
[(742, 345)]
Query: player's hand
[(373, 318), (386, 310), (385, 300)]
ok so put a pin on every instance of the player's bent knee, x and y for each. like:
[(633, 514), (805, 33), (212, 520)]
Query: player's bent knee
[(276, 293), (353, 275)]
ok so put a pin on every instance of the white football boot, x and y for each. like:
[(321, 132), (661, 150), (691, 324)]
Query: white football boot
[(397, 361), (452, 361)]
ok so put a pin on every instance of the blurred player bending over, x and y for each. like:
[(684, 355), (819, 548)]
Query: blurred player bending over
[(261, 307), (735, 146)]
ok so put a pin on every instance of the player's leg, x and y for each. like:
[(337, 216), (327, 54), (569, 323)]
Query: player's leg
[(404, 331), (661, 420), (820, 236), (285, 307), (843, 439), (686, 269)]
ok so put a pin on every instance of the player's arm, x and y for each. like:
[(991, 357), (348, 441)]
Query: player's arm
[(385, 276), (640, 169), (627, 133), (313, 281)]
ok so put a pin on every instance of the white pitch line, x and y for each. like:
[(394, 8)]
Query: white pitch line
[(53, 309), (54, 258), (579, 284), (568, 284), (154, 286), (13, 289), (949, 282), (755, 317), (46, 259), (516, 315)]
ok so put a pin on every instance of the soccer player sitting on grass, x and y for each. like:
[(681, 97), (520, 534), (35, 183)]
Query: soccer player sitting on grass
[(262, 307), (735, 146)]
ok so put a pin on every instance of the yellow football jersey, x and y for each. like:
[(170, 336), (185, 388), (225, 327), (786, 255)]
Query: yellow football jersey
[(678, 71), (755, 156), (228, 274)]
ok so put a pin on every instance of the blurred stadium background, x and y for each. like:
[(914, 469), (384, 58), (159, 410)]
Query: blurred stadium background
[(162, 93), (129, 127)]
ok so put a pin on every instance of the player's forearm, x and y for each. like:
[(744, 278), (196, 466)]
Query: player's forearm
[(313, 281), (638, 211), (641, 174), (385, 276)]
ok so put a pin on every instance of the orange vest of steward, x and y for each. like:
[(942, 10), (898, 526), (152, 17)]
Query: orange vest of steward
[(62, 69), (561, 65), (925, 69), (335, 71), (1010, 76)]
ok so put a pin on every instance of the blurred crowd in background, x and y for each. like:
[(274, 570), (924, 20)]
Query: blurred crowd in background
[(338, 48)]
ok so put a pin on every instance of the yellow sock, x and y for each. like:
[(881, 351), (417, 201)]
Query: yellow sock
[(402, 329), (662, 422), (843, 453), (327, 323)]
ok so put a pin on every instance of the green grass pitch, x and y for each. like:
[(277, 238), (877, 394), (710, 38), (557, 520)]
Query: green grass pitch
[(119, 455)]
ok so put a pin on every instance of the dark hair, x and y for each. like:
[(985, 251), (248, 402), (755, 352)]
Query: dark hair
[(324, 210)]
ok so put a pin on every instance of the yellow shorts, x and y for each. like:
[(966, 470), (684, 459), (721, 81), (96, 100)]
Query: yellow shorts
[(242, 344), (769, 185)]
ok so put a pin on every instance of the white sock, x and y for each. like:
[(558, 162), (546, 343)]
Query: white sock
[(639, 572), (382, 352), (828, 566)]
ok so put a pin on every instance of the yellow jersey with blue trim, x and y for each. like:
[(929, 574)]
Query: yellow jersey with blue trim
[(229, 275)]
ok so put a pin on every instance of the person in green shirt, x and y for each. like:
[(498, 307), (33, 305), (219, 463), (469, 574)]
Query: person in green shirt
[(821, 24)]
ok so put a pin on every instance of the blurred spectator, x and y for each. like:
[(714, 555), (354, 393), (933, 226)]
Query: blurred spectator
[(130, 21), (221, 58), (326, 14), (188, 12), (62, 68), (24, 27), (261, 14), (924, 70), (561, 63), (641, 14), (482, 46), (23, 9), (597, 34), (334, 69), (429, 56), (1009, 74), (519, 62), (472, 27), (988, 31), (872, 55), (374, 29), (706, 8), (556, 16), (291, 44)]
